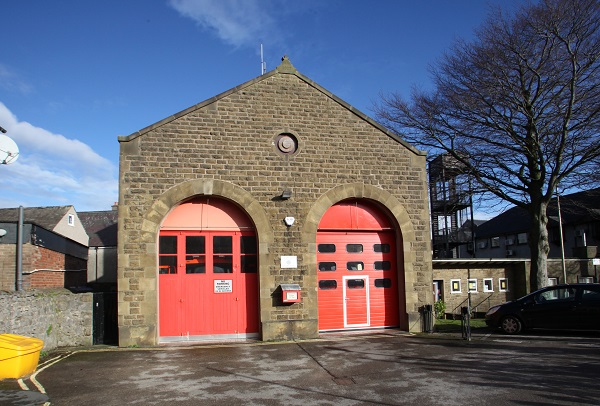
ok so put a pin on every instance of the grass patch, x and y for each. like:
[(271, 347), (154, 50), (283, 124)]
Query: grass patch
[(453, 326)]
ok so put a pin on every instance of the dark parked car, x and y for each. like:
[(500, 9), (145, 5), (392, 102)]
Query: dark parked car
[(560, 307)]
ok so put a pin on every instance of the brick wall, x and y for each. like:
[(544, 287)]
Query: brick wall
[(8, 261), (40, 258), (224, 147)]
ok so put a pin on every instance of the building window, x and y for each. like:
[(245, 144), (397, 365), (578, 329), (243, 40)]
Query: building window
[(585, 279), (502, 285), (552, 281), (71, 220), (522, 238), (488, 285), (472, 283), (495, 242), (455, 286)]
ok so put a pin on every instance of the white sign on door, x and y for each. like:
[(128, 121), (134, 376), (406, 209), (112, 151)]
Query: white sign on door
[(223, 286)]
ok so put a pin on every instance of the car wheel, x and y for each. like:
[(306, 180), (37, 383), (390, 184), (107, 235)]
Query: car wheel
[(511, 325)]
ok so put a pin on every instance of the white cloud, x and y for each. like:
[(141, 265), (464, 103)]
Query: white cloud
[(10, 81), (237, 22), (54, 170)]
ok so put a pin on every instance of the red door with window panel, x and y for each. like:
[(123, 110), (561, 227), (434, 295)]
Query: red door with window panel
[(356, 269), (208, 282)]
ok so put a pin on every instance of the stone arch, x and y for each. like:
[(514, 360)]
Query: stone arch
[(405, 233), (161, 207)]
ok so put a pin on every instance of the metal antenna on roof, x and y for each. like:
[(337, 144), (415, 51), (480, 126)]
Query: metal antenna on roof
[(263, 64)]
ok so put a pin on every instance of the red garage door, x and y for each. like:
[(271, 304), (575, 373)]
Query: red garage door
[(208, 286), (357, 272)]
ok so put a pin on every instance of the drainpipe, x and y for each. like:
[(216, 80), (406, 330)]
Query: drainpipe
[(20, 250)]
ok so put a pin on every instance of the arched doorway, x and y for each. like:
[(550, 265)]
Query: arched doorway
[(207, 271), (357, 268)]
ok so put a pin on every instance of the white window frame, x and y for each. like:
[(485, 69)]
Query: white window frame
[(485, 284), (552, 281), (494, 242), (71, 220), (452, 282), (585, 279), (500, 283), (469, 285)]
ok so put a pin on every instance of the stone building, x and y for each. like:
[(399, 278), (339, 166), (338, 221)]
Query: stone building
[(274, 210)]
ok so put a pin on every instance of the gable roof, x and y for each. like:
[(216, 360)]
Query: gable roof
[(45, 217), (101, 226), (286, 68), (576, 208)]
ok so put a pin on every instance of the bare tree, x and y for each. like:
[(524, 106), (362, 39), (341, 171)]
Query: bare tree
[(519, 106)]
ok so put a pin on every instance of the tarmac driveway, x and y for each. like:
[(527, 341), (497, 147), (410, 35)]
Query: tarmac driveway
[(382, 369)]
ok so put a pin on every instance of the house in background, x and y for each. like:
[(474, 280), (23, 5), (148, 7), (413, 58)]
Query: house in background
[(498, 268), (507, 235), (102, 228), (54, 248)]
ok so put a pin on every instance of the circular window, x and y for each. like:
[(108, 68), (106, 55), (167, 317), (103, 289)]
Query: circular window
[(286, 143)]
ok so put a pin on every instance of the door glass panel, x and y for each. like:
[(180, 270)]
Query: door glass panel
[(383, 283), (355, 266), (223, 264), (195, 245), (167, 244), (248, 244), (327, 284), (356, 283), (327, 266), (326, 248), (167, 264), (383, 265), (381, 248), (195, 258), (222, 244), (354, 248), (249, 263)]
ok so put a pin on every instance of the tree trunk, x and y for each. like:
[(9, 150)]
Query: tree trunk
[(539, 246)]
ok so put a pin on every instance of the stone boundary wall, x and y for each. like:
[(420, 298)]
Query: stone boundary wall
[(58, 317)]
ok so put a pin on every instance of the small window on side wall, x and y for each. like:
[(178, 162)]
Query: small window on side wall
[(488, 285), (495, 242), (455, 286), (502, 285), (71, 220), (472, 284)]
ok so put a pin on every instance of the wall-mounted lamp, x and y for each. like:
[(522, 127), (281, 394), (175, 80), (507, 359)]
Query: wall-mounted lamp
[(286, 194), (2, 232), (289, 221)]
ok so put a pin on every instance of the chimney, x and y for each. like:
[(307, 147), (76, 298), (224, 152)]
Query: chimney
[(115, 206)]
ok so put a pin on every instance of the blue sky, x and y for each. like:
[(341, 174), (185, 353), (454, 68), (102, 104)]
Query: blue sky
[(76, 74)]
